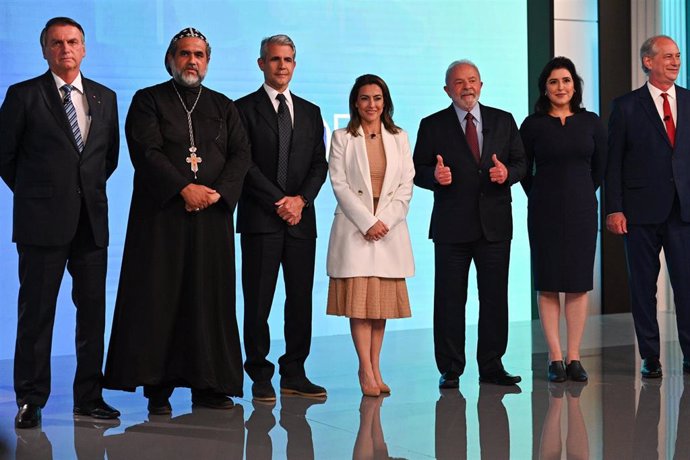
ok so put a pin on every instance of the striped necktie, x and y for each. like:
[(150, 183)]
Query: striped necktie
[(72, 115)]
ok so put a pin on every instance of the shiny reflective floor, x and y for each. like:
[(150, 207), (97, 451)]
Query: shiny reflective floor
[(617, 415)]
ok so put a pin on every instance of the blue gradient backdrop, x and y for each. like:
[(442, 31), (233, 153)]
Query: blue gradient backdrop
[(408, 43)]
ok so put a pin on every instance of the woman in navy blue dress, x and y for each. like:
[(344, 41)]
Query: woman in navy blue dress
[(565, 146)]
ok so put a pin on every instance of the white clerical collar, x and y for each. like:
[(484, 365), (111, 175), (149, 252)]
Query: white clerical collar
[(76, 84)]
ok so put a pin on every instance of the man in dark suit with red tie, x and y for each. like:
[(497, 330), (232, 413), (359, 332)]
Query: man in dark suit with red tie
[(59, 143), (277, 220), (648, 193), (469, 155)]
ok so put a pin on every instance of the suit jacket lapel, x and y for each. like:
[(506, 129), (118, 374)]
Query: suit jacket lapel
[(359, 149), (93, 97), (458, 140), (650, 110), (265, 108), (390, 149), (683, 112), (54, 104), (299, 132), (488, 148)]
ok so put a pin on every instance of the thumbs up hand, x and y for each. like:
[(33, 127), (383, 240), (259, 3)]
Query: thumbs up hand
[(441, 172), (498, 173)]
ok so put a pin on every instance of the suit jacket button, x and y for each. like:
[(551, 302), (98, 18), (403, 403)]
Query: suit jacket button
[(359, 192), (78, 190), (480, 171)]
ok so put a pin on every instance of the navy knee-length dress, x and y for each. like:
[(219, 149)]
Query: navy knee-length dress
[(565, 168)]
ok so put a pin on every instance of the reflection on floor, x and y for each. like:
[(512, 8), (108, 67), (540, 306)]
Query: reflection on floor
[(617, 415)]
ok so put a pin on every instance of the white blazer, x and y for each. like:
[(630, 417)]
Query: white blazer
[(349, 254)]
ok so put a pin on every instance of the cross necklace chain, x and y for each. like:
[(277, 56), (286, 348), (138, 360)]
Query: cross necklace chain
[(192, 159)]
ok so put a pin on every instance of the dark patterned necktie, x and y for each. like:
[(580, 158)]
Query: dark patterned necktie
[(284, 140), (72, 115), (668, 120), (471, 136)]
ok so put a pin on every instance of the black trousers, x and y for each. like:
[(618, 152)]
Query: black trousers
[(452, 264), (40, 274), (643, 244), (262, 257)]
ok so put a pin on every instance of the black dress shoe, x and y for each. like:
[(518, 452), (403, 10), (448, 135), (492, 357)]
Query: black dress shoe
[(159, 406), (263, 392), (651, 368), (97, 409), (302, 387), (449, 380), (211, 399), (576, 372), (500, 378), (28, 416), (686, 366), (557, 372)]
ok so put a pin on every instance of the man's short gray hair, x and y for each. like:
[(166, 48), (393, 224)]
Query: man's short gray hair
[(454, 64), (279, 39), (648, 49)]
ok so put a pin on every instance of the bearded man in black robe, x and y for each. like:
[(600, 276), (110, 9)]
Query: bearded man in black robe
[(174, 323)]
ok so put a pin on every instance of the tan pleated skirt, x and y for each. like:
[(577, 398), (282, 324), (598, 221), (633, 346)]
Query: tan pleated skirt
[(368, 298)]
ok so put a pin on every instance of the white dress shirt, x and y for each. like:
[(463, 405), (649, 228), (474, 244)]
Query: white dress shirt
[(659, 101), (81, 105), (477, 114), (272, 93)]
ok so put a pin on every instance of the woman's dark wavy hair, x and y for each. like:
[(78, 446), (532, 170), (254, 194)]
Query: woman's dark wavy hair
[(386, 115), (543, 105)]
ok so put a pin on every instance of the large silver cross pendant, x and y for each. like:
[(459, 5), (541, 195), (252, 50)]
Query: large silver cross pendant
[(194, 161)]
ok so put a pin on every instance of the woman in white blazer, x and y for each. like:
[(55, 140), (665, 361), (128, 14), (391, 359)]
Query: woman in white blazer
[(369, 251)]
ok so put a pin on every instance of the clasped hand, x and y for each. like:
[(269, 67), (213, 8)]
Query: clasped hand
[(198, 197), (289, 208), (376, 231)]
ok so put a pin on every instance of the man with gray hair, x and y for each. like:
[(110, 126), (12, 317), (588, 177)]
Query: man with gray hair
[(59, 143), (470, 155), (175, 323), (277, 220), (647, 194)]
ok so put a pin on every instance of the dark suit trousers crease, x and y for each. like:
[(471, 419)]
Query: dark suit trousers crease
[(262, 256), (40, 273), (643, 244), (452, 264)]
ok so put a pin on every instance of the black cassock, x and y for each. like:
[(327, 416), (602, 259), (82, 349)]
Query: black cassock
[(175, 322)]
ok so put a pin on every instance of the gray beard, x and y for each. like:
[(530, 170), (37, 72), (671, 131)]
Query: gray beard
[(188, 81)]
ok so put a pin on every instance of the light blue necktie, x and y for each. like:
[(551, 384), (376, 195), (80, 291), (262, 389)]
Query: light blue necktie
[(72, 115)]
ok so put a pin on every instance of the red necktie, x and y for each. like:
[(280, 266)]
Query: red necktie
[(668, 120), (471, 136)]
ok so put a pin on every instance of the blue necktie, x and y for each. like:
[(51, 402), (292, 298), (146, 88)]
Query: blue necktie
[(72, 115)]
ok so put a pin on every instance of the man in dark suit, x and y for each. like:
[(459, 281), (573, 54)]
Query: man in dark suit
[(469, 155), (277, 221), (648, 193), (59, 143)]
